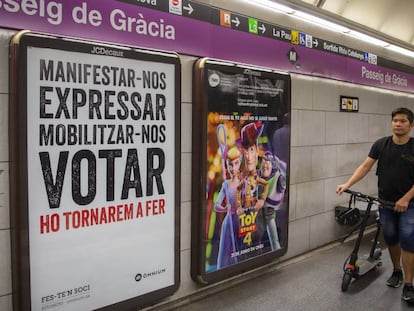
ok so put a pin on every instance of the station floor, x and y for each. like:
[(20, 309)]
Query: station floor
[(311, 283)]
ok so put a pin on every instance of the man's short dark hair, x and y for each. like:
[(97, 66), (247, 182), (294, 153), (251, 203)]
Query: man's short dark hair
[(405, 111)]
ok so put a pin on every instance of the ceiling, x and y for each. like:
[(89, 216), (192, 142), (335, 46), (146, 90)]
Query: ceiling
[(387, 18)]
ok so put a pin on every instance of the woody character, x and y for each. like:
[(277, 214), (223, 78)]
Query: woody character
[(249, 196), (252, 190)]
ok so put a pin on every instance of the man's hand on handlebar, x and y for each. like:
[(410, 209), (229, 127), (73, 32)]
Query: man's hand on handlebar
[(341, 188), (401, 205)]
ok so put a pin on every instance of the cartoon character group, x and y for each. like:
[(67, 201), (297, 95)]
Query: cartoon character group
[(250, 197)]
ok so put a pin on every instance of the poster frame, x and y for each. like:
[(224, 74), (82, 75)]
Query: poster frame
[(348, 103), (199, 150), (18, 152)]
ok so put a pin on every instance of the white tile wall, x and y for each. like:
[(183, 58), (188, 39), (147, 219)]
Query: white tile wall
[(311, 128), (322, 229), (358, 128), (349, 89), (187, 78), (347, 159), (302, 92), (5, 254), (372, 181), (185, 226), (362, 186), (298, 237), (300, 164), (337, 128), (369, 101), (363, 150), (309, 199), (186, 187), (5, 263), (386, 103), (294, 128), (292, 202), (187, 285), (376, 127), (323, 162), (404, 100), (5, 36), (326, 95), (4, 196), (331, 199), (6, 303), (186, 127), (4, 127)]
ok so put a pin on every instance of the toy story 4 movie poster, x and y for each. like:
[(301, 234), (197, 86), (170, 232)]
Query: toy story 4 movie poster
[(247, 169)]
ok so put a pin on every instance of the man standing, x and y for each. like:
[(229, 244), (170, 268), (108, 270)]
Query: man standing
[(395, 171)]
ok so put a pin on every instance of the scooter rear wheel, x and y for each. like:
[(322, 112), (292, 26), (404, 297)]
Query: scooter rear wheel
[(346, 280)]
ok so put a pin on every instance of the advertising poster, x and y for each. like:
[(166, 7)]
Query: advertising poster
[(98, 143), (243, 120)]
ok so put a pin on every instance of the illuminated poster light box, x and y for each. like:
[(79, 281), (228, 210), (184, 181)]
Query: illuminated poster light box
[(95, 142), (241, 146)]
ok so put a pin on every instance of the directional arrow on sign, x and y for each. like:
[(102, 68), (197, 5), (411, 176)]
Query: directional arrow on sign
[(262, 28), (315, 43), (236, 21), (189, 8)]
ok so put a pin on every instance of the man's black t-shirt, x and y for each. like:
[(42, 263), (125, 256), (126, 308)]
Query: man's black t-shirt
[(394, 169)]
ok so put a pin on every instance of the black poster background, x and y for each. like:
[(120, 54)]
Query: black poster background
[(235, 231)]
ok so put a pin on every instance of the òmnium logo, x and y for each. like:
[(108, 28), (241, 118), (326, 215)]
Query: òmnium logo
[(103, 51), (146, 275)]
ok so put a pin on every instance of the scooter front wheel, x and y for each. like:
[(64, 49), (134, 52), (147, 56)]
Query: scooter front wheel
[(346, 280)]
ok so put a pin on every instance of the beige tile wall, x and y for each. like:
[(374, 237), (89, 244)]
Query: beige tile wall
[(327, 146)]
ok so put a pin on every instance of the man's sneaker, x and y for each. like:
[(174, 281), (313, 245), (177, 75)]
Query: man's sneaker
[(408, 293), (395, 279)]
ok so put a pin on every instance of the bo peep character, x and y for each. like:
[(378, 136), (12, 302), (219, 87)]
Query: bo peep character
[(226, 203)]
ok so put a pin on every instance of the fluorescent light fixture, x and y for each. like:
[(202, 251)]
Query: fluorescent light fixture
[(320, 22), (366, 38), (331, 26), (400, 50), (275, 6)]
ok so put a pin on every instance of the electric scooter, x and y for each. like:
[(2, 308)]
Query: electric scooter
[(354, 266)]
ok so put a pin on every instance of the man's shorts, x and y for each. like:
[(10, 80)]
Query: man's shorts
[(398, 227)]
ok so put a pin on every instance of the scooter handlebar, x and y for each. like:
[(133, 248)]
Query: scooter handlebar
[(368, 198)]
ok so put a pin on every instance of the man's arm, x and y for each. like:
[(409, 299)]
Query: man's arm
[(402, 204), (359, 173)]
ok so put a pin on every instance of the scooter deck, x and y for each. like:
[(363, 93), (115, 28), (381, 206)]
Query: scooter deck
[(364, 265)]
